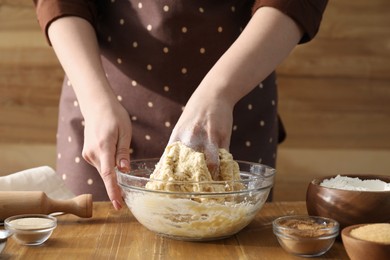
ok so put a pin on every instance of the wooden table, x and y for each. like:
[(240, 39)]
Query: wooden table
[(111, 234)]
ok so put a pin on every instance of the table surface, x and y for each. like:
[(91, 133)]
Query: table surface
[(112, 234)]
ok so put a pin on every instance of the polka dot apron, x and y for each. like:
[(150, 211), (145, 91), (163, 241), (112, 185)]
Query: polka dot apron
[(155, 53)]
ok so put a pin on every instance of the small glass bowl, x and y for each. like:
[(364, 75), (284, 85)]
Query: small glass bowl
[(31, 229), (305, 236)]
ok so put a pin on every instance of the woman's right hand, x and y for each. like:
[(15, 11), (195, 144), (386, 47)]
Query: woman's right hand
[(107, 137)]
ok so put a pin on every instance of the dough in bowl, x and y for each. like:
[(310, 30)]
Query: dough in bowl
[(180, 163)]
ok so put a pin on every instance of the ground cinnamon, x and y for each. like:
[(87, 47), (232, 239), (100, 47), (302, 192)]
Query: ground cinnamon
[(306, 228), (306, 237)]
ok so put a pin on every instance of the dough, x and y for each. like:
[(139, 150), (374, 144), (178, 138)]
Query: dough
[(180, 163), (196, 215)]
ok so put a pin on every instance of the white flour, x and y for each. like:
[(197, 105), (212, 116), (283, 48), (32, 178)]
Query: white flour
[(349, 183)]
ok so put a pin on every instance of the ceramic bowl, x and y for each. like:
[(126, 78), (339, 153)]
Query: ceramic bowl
[(305, 236), (358, 249), (349, 207), (31, 229), (195, 216)]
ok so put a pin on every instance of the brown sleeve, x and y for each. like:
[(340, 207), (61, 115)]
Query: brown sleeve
[(306, 13), (49, 10)]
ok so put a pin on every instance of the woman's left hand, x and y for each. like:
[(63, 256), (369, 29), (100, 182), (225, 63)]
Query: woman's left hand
[(205, 126), (206, 122)]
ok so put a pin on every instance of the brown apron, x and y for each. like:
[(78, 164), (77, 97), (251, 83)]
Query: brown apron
[(155, 53)]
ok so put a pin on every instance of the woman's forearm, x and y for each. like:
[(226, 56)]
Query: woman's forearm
[(107, 129), (266, 41), (75, 44)]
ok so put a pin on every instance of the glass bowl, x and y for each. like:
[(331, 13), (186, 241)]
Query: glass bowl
[(196, 216), (31, 229), (305, 236)]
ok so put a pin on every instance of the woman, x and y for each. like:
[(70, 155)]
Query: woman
[(142, 74)]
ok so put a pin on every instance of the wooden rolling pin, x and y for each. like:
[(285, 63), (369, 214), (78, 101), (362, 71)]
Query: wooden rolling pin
[(37, 202)]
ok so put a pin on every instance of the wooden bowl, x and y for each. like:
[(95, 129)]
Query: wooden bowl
[(358, 249), (349, 207)]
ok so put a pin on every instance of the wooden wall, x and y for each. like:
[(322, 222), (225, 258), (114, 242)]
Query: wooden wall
[(30, 77), (335, 98), (335, 91), (334, 95)]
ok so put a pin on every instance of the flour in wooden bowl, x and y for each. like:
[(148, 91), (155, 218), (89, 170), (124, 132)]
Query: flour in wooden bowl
[(357, 184)]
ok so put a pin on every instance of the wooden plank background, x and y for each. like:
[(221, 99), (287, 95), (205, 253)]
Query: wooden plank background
[(334, 94), (335, 90)]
